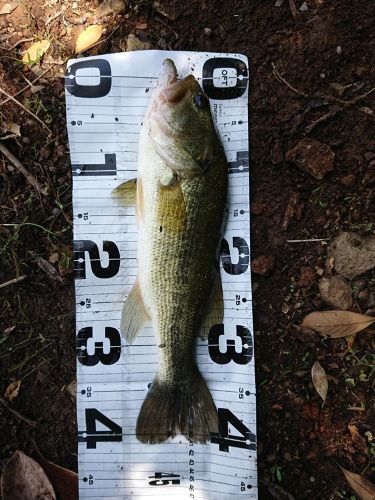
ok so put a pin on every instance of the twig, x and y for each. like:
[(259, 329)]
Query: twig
[(27, 86), (21, 41), (24, 108), (30, 178), (55, 16), (345, 105), (307, 241), (17, 413), (293, 9), (11, 282), (281, 79)]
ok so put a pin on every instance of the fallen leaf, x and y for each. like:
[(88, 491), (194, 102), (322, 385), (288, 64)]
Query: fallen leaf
[(71, 390), (337, 324), (360, 485), (356, 437), (64, 481), (9, 330), (53, 258), (7, 8), (88, 38), (34, 53), (319, 379), (11, 392), (48, 269), (11, 127), (36, 88), (24, 479), (65, 263)]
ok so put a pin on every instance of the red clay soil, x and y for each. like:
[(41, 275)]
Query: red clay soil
[(303, 67)]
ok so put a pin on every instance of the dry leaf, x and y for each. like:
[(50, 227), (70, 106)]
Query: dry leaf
[(36, 88), (53, 258), (337, 324), (12, 390), (356, 437), (71, 390), (88, 38), (7, 8), (361, 486), (34, 53), (11, 127), (319, 379), (24, 479), (64, 481)]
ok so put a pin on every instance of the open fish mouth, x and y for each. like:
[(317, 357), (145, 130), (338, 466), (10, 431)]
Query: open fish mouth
[(171, 90)]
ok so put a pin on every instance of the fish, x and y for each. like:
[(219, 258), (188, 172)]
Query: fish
[(180, 198)]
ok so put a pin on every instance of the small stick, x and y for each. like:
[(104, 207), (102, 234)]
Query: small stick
[(27, 86), (21, 41), (24, 108), (30, 178), (11, 282), (345, 105), (307, 241), (293, 9), (17, 413), (55, 16), (281, 79)]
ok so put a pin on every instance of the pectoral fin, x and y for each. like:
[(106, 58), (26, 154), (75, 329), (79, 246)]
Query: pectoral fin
[(134, 314), (172, 208), (215, 310), (126, 193)]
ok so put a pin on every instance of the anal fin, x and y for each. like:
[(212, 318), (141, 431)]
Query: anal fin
[(214, 313), (134, 314)]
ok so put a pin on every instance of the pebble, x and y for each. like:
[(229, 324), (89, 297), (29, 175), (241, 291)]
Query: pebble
[(312, 157), (263, 265), (339, 50), (134, 43), (208, 31), (304, 7), (279, 3), (336, 292), (258, 208), (348, 180), (353, 254), (307, 277)]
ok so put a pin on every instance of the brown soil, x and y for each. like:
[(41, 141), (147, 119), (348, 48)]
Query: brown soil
[(300, 441)]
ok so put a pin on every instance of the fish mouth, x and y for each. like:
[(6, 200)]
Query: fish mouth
[(176, 91)]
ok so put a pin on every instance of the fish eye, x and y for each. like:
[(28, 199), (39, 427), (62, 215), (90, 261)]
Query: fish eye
[(200, 100)]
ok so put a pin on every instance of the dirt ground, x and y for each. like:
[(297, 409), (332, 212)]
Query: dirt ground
[(303, 66)]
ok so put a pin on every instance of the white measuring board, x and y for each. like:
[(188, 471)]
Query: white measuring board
[(106, 100)]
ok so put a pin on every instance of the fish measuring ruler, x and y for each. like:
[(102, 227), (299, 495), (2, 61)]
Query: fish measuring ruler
[(106, 100)]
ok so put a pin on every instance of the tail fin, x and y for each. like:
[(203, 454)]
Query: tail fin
[(171, 410)]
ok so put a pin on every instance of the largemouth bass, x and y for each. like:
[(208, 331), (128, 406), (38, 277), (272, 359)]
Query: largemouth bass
[(180, 201)]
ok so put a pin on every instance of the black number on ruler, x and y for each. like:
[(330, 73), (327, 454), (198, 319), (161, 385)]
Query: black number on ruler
[(243, 259), (222, 65), (100, 90), (109, 167), (163, 479), (222, 358), (91, 435), (241, 164), (99, 356), (225, 440), (82, 246)]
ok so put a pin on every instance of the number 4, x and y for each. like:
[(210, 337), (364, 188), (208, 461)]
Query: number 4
[(224, 440)]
